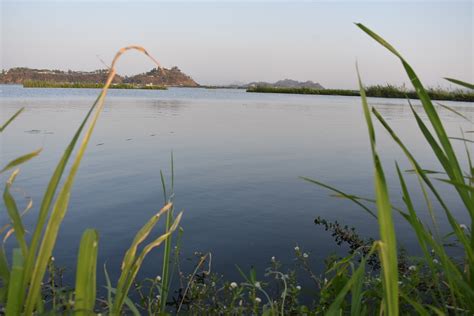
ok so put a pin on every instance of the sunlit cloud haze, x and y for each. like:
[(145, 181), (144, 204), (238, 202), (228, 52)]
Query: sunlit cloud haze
[(221, 43)]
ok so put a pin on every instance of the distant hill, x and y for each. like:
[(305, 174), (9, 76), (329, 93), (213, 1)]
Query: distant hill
[(161, 77), (287, 83)]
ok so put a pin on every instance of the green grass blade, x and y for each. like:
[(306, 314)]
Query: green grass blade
[(60, 206), (130, 255), (461, 83), (18, 161), (128, 274), (4, 276), (163, 185), (431, 113), (357, 291), (15, 286), (462, 139), (141, 235), (48, 198), (129, 303), (13, 117), (452, 221), (14, 214), (388, 245), (86, 273), (57, 214), (353, 283), (345, 195), (109, 288), (417, 306), (165, 284), (454, 111)]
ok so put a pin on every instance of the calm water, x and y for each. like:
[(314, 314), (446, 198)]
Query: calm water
[(237, 160)]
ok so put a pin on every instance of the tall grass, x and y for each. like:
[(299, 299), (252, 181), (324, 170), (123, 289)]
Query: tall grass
[(21, 287), (20, 292), (458, 275)]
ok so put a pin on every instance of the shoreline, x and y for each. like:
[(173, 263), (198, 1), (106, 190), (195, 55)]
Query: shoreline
[(387, 92), (77, 85)]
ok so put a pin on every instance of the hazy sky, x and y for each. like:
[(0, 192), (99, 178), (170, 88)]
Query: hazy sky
[(223, 42)]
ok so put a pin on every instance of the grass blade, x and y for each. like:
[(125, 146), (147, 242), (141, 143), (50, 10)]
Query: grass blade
[(14, 214), (461, 83), (86, 273), (4, 275), (15, 289), (432, 116), (388, 244), (18, 161), (128, 274), (109, 288), (61, 204), (345, 195), (167, 251), (453, 222), (454, 111), (13, 117)]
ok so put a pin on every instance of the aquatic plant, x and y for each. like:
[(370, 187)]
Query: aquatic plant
[(378, 91), (22, 284), (457, 275), (432, 283)]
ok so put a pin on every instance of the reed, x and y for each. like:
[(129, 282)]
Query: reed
[(21, 286), (449, 281), (457, 274), (378, 91)]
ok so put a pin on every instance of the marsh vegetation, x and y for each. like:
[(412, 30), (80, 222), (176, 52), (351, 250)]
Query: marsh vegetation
[(375, 277)]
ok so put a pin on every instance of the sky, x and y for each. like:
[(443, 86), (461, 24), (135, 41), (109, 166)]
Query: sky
[(226, 42)]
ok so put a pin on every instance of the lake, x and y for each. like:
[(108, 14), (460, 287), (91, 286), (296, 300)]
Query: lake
[(238, 157)]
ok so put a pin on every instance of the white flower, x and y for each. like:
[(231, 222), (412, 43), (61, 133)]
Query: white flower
[(273, 259), (435, 261), (233, 285), (305, 255), (158, 297), (52, 258), (297, 248), (257, 285), (463, 226), (298, 288), (158, 278), (412, 268), (258, 300), (325, 280)]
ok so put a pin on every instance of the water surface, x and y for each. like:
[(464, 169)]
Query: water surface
[(237, 160)]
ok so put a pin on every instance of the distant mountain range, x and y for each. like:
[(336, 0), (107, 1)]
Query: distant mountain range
[(158, 77), (287, 83)]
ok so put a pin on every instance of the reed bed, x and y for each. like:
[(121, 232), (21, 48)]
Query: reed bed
[(378, 91)]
